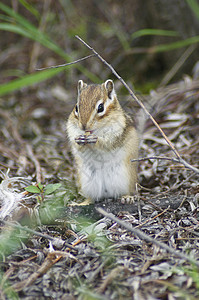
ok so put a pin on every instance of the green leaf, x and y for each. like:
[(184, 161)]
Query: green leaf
[(40, 186), (33, 189), (51, 188)]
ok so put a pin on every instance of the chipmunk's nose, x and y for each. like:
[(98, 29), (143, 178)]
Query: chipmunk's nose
[(83, 127)]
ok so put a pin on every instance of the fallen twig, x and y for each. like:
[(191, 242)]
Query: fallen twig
[(110, 277), (68, 64), (179, 158), (145, 237), (155, 157), (50, 260), (155, 217)]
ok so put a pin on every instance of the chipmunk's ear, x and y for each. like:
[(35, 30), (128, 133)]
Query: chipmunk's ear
[(81, 85), (109, 86)]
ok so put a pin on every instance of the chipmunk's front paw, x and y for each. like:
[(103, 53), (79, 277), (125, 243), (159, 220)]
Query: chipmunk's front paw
[(86, 139), (128, 199)]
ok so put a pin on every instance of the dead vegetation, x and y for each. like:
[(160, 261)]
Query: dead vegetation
[(108, 261)]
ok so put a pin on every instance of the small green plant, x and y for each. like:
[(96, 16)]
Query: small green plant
[(93, 231), (11, 239), (42, 190)]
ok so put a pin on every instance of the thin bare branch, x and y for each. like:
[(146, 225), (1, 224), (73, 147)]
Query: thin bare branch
[(179, 159), (145, 237), (156, 157), (176, 160), (49, 261), (131, 93), (68, 64)]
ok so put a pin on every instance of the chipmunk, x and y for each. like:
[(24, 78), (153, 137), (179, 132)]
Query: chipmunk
[(103, 140)]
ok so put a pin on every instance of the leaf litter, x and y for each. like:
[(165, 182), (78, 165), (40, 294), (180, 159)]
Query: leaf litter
[(106, 260)]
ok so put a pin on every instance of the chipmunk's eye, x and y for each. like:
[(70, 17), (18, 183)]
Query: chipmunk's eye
[(100, 108), (76, 109)]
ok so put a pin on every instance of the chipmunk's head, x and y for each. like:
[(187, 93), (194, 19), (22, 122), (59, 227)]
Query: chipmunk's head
[(95, 104)]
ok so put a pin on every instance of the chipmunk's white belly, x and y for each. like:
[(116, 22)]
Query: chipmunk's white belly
[(103, 174)]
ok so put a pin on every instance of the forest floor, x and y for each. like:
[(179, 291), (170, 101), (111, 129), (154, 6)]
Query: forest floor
[(88, 256)]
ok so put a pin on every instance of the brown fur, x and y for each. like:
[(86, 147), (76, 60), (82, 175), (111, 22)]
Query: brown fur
[(121, 139), (88, 98)]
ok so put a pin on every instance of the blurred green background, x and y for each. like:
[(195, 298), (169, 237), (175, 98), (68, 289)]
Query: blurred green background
[(143, 40)]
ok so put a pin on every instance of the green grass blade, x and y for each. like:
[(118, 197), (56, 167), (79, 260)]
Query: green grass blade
[(28, 80), (194, 6), (15, 29), (30, 8), (41, 38), (30, 31), (34, 33), (148, 31), (175, 45), (17, 17)]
